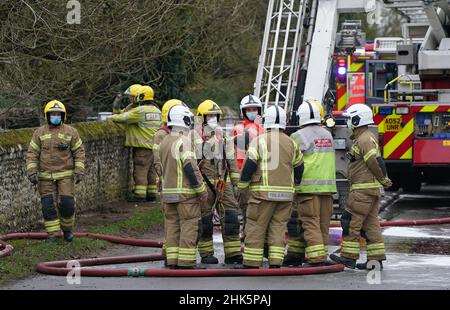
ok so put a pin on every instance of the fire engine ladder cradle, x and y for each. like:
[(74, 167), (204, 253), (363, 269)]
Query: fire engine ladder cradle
[(279, 61)]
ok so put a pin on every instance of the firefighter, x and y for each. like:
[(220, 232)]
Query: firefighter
[(55, 161), (220, 172), (367, 175), (249, 128), (271, 160), (159, 136), (243, 134), (141, 123), (313, 201), (183, 190)]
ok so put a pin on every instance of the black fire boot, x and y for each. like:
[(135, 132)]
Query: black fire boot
[(347, 262), (151, 198), (238, 259), (292, 261), (319, 264), (68, 236), (134, 198), (363, 266), (210, 259), (274, 266), (51, 239)]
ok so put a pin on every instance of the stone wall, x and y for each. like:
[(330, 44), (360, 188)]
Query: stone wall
[(106, 179)]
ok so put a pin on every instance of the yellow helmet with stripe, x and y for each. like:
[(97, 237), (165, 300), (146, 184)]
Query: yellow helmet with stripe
[(145, 93), (55, 106), (166, 107), (208, 107), (132, 92)]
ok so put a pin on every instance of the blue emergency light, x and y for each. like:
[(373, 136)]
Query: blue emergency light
[(342, 70)]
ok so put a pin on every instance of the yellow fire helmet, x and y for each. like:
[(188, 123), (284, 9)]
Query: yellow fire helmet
[(133, 90), (145, 93), (208, 107), (55, 106), (166, 107)]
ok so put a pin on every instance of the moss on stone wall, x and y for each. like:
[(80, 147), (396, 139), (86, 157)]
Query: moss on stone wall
[(20, 138)]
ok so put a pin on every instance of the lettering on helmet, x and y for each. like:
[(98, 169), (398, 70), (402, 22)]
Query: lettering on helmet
[(323, 143)]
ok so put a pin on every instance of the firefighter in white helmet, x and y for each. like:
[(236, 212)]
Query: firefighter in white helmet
[(313, 201), (367, 175), (271, 160), (183, 190)]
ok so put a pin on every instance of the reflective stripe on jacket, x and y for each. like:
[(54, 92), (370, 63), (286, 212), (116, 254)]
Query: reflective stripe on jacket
[(276, 156), (176, 154), (141, 125), (55, 152)]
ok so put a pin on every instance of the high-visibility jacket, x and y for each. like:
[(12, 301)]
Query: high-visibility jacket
[(276, 155), (317, 146), (141, 125), (55, 152), (364, 170), (181, 178), (245, 130)]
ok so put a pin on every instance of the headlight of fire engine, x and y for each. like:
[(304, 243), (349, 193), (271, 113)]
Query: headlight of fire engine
[(330, 122)]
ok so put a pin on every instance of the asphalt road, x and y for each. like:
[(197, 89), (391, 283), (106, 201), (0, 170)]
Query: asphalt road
[(418, 258)]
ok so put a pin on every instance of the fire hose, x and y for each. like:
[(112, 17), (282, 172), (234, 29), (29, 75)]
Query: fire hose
[(60, 267)]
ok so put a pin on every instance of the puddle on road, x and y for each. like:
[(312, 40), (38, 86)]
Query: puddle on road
[(415, 233)]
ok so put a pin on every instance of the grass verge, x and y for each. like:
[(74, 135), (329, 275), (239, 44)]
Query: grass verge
[(28, 253)]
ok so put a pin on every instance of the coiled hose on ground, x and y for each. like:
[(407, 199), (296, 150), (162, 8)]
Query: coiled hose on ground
[(61, 267)]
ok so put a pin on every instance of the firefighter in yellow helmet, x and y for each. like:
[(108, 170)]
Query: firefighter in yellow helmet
[(220, 172), (163, 131), (141, 124), (55, 161)]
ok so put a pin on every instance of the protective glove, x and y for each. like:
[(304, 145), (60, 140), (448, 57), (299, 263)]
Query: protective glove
[(33, 178), (386, 182), (158, 185), (117, 101), (78, 178)]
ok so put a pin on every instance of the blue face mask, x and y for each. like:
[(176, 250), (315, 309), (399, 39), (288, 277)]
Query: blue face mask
[(55, 120), (251, 115)]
